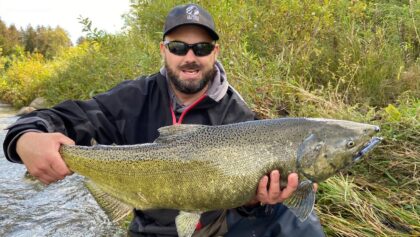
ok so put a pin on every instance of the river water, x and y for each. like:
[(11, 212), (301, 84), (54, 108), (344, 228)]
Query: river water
[(29, 208)]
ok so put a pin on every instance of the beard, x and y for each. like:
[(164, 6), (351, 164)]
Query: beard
[(190, 87)]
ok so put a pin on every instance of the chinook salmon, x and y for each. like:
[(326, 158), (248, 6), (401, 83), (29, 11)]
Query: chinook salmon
[(197, 168)]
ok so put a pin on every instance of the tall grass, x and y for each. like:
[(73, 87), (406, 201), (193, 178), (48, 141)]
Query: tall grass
[(355, 60)]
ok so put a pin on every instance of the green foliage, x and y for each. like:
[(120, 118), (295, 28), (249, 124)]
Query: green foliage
[(45, 40), (22, 81), (401, 123), (9, 39), (358, 49), (362, 212), (92, 33), (50, 41), (96, 66)]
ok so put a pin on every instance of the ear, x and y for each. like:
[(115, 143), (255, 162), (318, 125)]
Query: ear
[(162, 49), (216, 51)]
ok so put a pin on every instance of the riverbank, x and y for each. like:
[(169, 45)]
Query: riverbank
[(6, 110)]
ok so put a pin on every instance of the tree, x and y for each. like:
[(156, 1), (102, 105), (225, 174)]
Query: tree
[(45, 40), (3, 32), (80, 40), (50, 41), (9, 38), (29, 39)]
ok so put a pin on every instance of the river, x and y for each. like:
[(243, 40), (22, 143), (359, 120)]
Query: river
[(29, 208)]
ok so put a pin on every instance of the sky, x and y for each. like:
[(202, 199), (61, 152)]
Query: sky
[(105, 14)]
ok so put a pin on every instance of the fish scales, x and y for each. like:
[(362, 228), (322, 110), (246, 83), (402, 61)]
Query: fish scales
[(200, 168)]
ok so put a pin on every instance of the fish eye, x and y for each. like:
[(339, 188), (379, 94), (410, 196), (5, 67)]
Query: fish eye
[(350, 144)]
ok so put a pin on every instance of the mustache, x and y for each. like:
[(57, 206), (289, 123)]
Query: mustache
[(190, 66)]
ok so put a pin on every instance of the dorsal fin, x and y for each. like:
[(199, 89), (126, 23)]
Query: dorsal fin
[(173, 132)]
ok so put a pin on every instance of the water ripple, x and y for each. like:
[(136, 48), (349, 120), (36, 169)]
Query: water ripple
[(29, 208)]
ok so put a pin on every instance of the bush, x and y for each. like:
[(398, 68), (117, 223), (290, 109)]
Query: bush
[(96, 66), (23, 80)]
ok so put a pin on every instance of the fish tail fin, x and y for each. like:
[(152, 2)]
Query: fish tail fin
[(115, 209), (186, 223), (302, 202)]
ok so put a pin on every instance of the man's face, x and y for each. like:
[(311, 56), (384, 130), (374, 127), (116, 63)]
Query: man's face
[(189, 73)]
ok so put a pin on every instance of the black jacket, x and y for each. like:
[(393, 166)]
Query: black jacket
[(131, 113)]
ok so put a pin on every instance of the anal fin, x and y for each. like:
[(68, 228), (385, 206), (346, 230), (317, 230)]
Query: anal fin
[(302, 202), (186, 223), (114, 208)]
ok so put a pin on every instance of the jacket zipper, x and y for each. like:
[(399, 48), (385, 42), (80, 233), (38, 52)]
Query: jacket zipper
[(174, 121)]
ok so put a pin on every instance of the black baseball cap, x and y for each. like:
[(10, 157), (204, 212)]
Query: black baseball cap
[(189, 14)]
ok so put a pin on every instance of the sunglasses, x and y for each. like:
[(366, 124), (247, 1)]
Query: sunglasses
[(180, 48)]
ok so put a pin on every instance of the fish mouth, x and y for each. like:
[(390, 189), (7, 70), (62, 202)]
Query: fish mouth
[(368, 147)]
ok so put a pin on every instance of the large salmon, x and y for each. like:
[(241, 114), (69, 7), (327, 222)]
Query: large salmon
[(197, 168)]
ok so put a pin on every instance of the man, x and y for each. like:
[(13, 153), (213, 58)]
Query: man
[(190, 88)]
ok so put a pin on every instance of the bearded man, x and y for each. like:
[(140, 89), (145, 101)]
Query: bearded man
[(190, 88)]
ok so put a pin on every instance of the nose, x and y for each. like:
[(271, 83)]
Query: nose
[(190, 56), (377, 129)]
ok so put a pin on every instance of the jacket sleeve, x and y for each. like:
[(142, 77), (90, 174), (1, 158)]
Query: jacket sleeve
[(79, 120), (82, 121)]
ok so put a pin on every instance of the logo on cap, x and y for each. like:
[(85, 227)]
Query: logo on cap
[(192, 13)]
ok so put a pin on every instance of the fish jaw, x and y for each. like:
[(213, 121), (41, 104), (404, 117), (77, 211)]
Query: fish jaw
[(368, 147)]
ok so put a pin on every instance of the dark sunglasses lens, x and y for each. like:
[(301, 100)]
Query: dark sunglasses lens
[(203, 49), (181, 48), (178, 48)]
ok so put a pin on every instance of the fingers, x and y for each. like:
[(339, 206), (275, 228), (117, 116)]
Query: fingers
[(52, 173), (59, 168), (262, 193), (271, 193), (61, 138), (44, 173), (40, 154), (56, 169), (46, 179), (274, 188), (292, 184)]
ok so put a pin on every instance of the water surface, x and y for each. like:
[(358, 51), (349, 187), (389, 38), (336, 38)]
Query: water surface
[(29, 208)]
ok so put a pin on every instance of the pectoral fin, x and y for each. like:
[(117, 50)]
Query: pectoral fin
[(186, 223), (302, 202)]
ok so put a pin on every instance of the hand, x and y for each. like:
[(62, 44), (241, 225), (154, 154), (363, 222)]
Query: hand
[(272, 194), (39, 153)]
